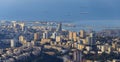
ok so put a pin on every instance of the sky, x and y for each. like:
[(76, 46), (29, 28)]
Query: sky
[(60, 10)]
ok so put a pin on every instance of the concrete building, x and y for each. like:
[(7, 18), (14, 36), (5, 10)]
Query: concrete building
[(21, 38), (82, 33), (36, 36), (45, 35), (73, 36), (59, 28), (13, 43), (58, 39), (70, 35), (92, 38), (54, 35), (77, 56)]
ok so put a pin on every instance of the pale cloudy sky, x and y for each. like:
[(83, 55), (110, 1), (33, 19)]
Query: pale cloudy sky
[(59, 9)]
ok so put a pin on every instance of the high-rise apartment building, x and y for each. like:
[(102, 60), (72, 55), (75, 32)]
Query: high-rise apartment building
[(59, 28), (45, 35), (73, 36), (36, 36), (58, 38), (82, 33), (12, 43)]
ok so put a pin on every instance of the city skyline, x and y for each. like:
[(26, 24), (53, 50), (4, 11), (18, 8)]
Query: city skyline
[(59, 31), (21, 42)]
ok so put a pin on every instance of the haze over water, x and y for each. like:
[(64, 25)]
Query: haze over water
[(87, 12)]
